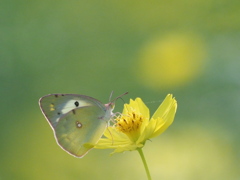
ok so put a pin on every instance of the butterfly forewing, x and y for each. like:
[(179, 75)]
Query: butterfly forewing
[(76, 120), (55, 106), (79, 126)]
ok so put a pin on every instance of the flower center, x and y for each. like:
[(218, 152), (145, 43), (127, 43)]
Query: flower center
[(130, 124)]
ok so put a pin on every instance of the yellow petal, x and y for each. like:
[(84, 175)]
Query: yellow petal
[(132, 147), (145, 113), (138, 106), (109, 144), (148, 132), (161, 119), (161, 124), (129, 107), (143, 109), (113, 139), (111, 133), (164, 108)]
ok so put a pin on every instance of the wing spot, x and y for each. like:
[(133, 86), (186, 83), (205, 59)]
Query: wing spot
[(78, 124), (56, 95), (76, 103), (52, 107), (63, 95), (58, 113)]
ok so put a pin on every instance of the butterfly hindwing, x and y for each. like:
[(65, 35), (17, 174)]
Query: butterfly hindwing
[(55, 106), (78, 121), (79, 126)]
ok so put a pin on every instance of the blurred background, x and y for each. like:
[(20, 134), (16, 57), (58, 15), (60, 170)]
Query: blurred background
[(148, 48)]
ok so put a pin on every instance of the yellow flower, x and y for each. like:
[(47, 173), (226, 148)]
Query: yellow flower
[(133, 127)]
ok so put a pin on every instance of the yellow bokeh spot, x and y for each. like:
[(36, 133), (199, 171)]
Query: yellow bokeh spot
[(170, 61)]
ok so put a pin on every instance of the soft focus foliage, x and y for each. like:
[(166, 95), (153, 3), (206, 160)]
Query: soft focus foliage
[(148, 48)]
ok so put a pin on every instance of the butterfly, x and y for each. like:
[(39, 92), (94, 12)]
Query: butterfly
[(76, 120)]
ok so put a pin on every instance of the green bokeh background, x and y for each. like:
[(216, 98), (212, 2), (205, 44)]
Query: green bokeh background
[(94, 47)]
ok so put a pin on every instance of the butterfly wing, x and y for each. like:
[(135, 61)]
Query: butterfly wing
[(79, 126), (55, 106), (75, 120)]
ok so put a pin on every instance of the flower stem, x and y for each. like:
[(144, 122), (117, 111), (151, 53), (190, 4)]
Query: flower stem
[(144, 163)]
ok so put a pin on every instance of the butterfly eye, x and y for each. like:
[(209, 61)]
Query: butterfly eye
[(76, 103)]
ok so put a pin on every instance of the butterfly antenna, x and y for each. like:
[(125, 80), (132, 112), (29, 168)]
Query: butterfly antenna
[(122, 100), (110, 97), (119, 97)]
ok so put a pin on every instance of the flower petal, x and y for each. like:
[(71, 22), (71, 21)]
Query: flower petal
[(161, 119), (160, 124), (113, 139), (165, 107), (129, 107), (148, 132), (131, 147), (104, 143), (111, 132), (143, 109), (145, 113), (138, 106)]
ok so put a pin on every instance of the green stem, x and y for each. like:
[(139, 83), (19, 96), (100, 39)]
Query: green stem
[(144, 163)]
